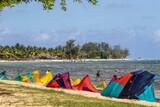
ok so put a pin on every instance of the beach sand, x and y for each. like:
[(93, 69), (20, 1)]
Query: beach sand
[(75, 92), (67, 60)]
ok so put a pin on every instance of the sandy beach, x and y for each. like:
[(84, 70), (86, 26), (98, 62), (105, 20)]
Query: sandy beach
[(76, 92), (75, 60)]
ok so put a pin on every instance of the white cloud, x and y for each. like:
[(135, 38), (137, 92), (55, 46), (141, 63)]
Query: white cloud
[(4, 30), (43, 37), (74, 34), (46, 39), (156, 36)]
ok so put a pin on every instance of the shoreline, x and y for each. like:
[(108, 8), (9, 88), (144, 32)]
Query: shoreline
[(76, 60), (82, 93)]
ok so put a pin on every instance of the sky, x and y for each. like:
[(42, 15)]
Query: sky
[(132, 24)]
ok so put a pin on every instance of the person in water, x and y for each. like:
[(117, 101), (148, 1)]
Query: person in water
[(114, 77), (98, 75), (99, 79)]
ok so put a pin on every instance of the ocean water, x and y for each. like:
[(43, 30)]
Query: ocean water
[(107, 68)]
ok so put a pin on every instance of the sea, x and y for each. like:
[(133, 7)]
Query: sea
[(82, 68)]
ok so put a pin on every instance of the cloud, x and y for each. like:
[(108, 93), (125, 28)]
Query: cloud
[(74, 34), (46, 39), (4, 30), (43, 37), (156, 36)]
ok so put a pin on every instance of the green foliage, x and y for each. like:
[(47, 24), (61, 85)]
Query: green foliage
[(47, 4), (69, 51)]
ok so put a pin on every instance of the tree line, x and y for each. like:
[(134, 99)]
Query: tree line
[(71, 50)]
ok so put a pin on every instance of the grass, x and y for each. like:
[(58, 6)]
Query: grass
[(18, 96)]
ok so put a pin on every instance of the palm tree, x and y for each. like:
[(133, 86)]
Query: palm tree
[(71, 50), (68, 48)]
